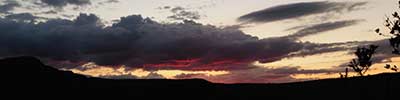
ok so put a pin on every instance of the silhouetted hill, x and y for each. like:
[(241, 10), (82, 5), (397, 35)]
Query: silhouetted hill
[(33, 70), (30, 74)]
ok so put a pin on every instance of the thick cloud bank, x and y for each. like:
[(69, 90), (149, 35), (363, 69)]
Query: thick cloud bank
[(140, 42)]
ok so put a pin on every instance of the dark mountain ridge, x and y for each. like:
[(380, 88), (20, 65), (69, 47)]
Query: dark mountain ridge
[(29, 73)]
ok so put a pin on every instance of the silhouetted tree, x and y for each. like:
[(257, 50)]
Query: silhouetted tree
[(393, 24), (346, 74), (393, 68), (363, 61)]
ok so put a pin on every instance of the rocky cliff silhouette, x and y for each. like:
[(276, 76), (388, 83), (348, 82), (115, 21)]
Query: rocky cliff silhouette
[(30, 74)]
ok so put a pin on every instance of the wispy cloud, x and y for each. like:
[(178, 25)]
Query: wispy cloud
[(180, 13), (62, 3), (297, 10), (323, 27), (54, 6), (258, 75), (8, 5)]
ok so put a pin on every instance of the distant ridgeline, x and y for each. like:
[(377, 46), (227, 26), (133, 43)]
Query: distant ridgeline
[(30, 74)]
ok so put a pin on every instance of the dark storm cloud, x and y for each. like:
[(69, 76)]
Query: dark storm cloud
[(297, 10), (8, 5), (323, 27), (62, 3), (143, 43)]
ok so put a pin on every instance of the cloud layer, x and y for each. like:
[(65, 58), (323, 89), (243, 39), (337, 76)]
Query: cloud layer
[(323, 27), (297, 10), (62, 3), (258, 75), (53, 6), (180, 13), (143, 43), (8, 5)]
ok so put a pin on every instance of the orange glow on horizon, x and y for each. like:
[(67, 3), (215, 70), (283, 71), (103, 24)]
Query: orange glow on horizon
[(91, 69)]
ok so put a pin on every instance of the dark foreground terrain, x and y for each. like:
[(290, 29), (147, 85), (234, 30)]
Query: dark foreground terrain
[(29, 75)]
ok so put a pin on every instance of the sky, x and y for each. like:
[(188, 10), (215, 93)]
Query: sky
[(222, 41)]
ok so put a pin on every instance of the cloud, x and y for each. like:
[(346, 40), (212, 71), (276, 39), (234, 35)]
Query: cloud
[(112, 1), (50, 12), (8, 5), (129, 76), (108, 1), (258, 75), (119, 77), (25, 17), (323, 27), (383, 54), (62, 3), (33, 8), (122, 72), (384, 50), (325, 48), (297, 10), (139, 42), (180, 13), (153, 75)]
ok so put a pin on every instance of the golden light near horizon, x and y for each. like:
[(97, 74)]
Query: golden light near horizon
[(91, 69), (318, 61), (304, 63), (377, 68)]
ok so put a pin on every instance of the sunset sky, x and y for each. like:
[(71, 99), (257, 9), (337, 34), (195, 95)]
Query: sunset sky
[(223, 41)]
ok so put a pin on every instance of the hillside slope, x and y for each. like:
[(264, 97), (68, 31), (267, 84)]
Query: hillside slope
[(29, 73)]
